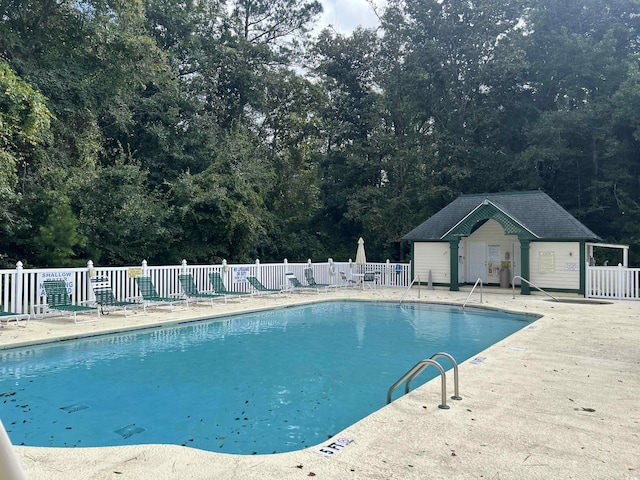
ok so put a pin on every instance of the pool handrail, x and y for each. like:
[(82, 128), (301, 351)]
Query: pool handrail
[(456, 390), (416, 278), (513, 287), (415, 371), (479, 280)]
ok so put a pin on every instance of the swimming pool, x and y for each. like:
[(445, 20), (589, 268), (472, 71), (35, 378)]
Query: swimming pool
[(265, 382)]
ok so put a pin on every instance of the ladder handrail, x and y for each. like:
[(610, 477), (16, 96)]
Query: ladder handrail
[(513, 287), (456, 391), (417, 278), (414, 371), (479, 280)]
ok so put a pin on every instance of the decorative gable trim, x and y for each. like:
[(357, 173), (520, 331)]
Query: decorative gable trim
[(488, 211)]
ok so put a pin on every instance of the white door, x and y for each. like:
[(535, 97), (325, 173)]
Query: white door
[(477, 262), (515, 262)]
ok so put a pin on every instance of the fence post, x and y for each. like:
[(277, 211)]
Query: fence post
[(91, 272), (620, 287), (16, 300), (283, 280), (332, 271), (258, 271), (225, 270), (387, 273), (184, 266)]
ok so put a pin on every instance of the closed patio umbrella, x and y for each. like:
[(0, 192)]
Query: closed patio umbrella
[(361, 257)]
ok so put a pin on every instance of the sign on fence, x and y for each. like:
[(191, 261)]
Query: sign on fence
[(66, 276), (134, 272), (239, 274)]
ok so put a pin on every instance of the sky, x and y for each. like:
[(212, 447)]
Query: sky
[(347, 15)]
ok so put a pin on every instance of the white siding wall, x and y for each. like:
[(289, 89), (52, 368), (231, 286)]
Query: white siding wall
[(552, 264), (555, 264), (434, 257)]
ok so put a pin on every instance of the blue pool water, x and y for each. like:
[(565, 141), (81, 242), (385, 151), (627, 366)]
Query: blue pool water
[(266, 382)]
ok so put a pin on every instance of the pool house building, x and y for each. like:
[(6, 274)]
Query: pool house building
[(502, 239)]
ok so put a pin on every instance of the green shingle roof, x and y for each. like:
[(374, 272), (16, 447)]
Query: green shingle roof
[(534, 211)]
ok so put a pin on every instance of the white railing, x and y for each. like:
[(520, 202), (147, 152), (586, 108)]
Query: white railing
[(619, 283), (21, 289)]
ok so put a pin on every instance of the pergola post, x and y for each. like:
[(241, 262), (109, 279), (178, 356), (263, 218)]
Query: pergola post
[(453, 262)]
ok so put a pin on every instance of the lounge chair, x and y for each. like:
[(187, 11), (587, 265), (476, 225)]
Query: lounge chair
[(150, 296), (311, 281), (218, 286), (6, 317), (369, 280), (107, 300), (261, 289), (58, 299), (347, 282), (192, 293), (296, 286)]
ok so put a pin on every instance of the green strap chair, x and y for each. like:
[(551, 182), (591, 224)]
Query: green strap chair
[(6, 317), (192, 293), (261, 289), (107, 300), (151, 297), (308, 274), (58, 299), (218, 286), (296, 286)]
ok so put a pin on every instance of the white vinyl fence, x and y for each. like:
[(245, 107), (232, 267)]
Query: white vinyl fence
[(620, 283), (21, 290)]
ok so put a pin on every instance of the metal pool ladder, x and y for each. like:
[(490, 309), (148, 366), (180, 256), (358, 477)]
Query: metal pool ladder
[(416, 279), (479, 281), (513, 287), (419, 367)]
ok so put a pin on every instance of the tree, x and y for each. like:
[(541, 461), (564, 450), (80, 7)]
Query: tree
[(57, 241), (221, 209), (582, 60), (99, 72), (124, 222), (24, 126), (278, 24)]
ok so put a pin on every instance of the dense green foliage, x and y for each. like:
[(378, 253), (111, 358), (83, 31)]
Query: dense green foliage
[(165, 129)]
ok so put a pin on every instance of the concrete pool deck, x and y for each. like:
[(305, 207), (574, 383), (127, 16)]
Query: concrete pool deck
[(557, 399)]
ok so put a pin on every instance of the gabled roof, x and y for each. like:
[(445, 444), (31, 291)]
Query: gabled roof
[(532, 215)]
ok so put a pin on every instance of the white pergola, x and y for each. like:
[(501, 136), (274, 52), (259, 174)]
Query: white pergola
[(624, 248)]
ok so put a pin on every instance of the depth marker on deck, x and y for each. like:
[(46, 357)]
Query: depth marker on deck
[(335, 447)]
